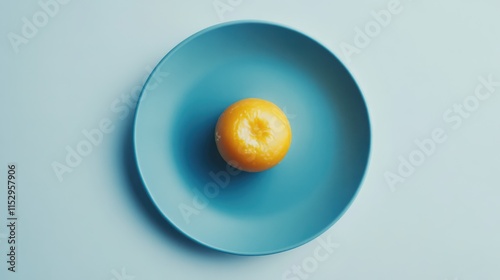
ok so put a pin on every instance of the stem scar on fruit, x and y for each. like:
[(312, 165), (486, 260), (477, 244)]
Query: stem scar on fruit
[(253, 135)]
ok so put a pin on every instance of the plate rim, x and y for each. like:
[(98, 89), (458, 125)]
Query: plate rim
[(263, 252)]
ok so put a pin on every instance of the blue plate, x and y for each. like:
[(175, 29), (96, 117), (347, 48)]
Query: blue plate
[(251, 213)]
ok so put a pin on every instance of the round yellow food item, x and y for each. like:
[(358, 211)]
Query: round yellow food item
[(253, 135)]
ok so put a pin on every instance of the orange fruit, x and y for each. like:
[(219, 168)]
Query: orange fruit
[(253, 135)]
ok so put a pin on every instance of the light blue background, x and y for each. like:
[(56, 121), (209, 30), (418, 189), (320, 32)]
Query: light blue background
[(441, 223)]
